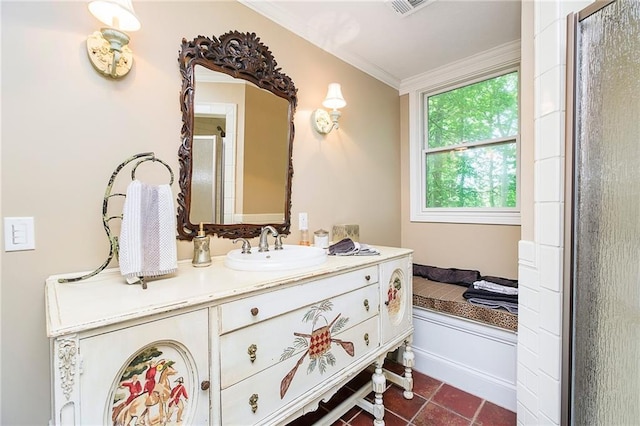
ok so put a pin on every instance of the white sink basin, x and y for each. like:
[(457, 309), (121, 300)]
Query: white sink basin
[(290, 257)]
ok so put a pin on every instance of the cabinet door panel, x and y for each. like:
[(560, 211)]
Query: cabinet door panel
[(268, 339), (263, 391), (146, 373), (396, 295)]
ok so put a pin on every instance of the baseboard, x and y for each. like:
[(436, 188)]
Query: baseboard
[(475, 358)]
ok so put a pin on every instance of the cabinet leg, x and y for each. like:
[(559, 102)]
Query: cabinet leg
[(379, 385), (408, 358)]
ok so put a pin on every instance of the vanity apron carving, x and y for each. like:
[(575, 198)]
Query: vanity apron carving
[(67, 351)]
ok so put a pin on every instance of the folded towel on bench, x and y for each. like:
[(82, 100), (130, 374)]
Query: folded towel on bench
[(489, 295), (495, 304), (499, 280), (493, 296), (495, 288)]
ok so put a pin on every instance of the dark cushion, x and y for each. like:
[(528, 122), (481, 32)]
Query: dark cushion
[(464, 277)]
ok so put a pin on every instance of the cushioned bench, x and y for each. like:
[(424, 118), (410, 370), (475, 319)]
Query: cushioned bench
[(447, 298), (471, 347)]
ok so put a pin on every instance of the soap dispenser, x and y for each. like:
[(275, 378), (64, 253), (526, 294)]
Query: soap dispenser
[(201, 252)]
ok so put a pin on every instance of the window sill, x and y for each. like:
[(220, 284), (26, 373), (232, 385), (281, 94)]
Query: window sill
[(468, 216)]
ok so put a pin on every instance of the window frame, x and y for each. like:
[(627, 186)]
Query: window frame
[(450, 78)]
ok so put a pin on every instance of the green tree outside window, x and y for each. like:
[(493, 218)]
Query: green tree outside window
[(471, 148)]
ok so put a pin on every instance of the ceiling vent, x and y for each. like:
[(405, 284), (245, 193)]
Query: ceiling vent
[(407, 7)]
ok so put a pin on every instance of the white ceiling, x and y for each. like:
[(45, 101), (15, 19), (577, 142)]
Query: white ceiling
[(371, 36)]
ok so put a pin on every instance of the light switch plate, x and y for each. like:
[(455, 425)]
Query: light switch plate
[(19, 234), (303, 221)]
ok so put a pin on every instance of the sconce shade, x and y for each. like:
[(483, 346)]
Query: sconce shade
[(117, 14), (324, 121), (334, 99), (108, 49)]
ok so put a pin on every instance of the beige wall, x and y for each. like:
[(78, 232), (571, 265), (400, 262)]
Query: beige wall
[(266, 152), (57, 170), (491, 249)]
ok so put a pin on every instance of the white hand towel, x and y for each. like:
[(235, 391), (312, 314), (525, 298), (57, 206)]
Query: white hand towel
[(147, 244), (495, 288)]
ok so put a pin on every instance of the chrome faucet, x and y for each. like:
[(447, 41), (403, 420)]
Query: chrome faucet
[(263, 245), (278, 244), (246, 246)]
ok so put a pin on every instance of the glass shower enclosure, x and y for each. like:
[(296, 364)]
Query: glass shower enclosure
[(602, 357)]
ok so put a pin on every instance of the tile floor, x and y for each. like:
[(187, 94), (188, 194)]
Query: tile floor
[(434, 403)]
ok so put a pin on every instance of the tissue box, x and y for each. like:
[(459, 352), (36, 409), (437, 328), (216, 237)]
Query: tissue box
[(345, 231)]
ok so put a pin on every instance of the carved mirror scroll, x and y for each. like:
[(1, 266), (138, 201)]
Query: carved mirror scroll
[(254, 131)]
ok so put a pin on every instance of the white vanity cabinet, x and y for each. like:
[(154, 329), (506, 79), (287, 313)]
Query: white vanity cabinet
[(223, 347)]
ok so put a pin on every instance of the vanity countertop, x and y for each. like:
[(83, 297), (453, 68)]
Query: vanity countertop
[(107, 299)]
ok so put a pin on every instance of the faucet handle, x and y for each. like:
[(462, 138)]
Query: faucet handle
[(278, 244), (246, 246)]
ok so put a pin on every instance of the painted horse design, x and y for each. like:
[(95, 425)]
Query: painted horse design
[(141, 407)]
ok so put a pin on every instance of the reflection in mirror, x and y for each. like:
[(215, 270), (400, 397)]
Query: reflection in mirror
[(240, 152), (237, 134)]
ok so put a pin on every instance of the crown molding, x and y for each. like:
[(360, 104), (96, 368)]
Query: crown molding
[(502, 56), (280, 16)]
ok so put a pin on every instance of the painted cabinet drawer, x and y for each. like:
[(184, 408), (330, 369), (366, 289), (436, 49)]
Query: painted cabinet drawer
[(252, 310), (252, 349), (252, 400)]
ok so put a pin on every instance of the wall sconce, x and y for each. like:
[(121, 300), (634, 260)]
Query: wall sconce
[(107, 48), (325, 121)]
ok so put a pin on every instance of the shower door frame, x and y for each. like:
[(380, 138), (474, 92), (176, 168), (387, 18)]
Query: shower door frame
[(570, 212)]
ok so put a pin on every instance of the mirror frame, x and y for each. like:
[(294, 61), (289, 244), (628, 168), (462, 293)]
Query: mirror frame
[(242, 56)]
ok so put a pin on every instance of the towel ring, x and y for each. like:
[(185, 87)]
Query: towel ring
[(154, 159), (113, 239)]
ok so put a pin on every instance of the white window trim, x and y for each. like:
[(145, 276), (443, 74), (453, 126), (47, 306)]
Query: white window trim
[(475, 68)]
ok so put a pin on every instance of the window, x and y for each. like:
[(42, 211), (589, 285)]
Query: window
[(469, 152)]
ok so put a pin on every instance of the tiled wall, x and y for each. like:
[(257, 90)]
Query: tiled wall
[(540, 261)]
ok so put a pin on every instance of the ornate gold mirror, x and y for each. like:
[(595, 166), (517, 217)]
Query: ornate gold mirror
[(237, 138)]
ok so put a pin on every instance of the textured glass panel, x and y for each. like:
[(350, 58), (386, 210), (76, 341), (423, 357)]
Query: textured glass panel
[(606, 347), (484, 176), (480, 111)]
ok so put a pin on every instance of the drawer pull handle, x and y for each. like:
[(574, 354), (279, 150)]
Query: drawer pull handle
[(254, 311), (252, 352), (367, 277), (366, 338), (253, 402), (366, 304), (205, 385)]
